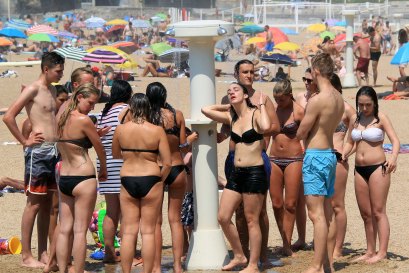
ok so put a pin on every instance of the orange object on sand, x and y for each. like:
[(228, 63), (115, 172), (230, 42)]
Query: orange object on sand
[(392, 97)]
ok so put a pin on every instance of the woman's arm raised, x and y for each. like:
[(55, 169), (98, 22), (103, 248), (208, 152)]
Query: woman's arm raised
[(219, 113)]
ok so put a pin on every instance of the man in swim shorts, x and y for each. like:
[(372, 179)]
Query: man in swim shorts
[(375, 48), (363, 59), (323, 113), (40, 156)]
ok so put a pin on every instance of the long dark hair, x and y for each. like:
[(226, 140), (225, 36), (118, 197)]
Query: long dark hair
[(336, 82), (140, 107), (121, 91), (370, 92), (233, 113), (157, 95), (402, 36)]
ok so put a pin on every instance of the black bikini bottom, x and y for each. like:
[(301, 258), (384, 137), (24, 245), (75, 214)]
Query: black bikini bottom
[(366, 171), (139, 186), (67, 183), (174, 172)]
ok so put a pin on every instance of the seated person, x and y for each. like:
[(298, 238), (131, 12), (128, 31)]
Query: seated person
[(280, 75), (153, 67), (400, 89), (261, 71)]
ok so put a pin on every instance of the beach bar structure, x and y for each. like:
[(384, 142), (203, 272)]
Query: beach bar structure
[(207, 249), (349, 79)]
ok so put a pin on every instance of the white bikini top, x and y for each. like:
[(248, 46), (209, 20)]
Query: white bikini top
[(370, 135)]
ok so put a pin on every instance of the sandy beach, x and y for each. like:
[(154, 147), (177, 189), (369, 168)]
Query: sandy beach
[(12, 165)]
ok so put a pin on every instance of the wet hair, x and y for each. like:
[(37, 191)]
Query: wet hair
[(370, 92), (121, 91), (370, 29), (238, 64), (248, 102), (402, 36), (51, 60), (336, 82), (60, 89), (157, 95), (76, 74), (86, 90), (283, 87), (324, 63), (140, 107)]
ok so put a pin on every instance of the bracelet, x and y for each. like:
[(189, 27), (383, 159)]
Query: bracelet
[(262, 104), (186, 144)]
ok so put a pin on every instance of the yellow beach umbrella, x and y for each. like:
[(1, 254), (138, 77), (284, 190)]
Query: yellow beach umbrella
[(255, 40), (112, 49), (127, 65), (317, 28), (116, 22), (287, 46)]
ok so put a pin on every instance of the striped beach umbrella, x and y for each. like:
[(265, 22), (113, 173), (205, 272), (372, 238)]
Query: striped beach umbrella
[(12, 33), (72, 53), (19, 24), (42, 29), (104, 56), (66, 34)]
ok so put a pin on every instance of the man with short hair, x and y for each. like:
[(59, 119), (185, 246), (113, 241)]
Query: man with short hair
[(363, 59), (40, 156), (375, 48), (323, 113), (269, 39)]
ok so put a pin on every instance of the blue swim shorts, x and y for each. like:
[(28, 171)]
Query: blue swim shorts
[(318, 172)]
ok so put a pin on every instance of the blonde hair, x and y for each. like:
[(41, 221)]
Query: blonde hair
[(76, 74), (283, 87), (324, 63), (86, 90)]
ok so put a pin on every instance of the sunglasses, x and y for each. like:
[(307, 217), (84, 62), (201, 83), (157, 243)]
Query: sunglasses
[(309, 81)]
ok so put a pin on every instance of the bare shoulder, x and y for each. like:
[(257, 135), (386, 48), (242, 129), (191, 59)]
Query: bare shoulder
[(383, 117)]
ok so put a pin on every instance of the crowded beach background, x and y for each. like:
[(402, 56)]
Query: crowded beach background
[(141, 62)]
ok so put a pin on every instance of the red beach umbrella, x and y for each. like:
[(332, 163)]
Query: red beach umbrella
[(42, 29)]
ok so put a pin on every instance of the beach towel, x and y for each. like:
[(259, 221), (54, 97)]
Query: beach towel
[(404, 148), (392, 97)]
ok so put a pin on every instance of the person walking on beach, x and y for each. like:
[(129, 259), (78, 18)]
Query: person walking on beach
[(141, 179), (372, 170), (121, 93), (362, 47), (375, 49), (40, 156), (323, 113), (77, 182), (248, 181), (286, 156)]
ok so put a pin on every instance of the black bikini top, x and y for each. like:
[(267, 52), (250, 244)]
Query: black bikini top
[(175, 130), (341, 128), (123, 118), (140, 150), (249, 136), (82, 142), (290, 129)]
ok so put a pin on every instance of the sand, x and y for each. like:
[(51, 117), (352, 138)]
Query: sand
[(11, 164)]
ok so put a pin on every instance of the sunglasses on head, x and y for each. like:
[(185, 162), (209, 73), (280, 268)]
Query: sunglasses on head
[(306, 80)]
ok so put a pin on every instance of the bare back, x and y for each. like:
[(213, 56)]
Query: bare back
[(363, 48)]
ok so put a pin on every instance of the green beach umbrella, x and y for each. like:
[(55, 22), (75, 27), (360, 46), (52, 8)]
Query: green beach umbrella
[(43, 37), (161, 15), (247, 24), (327, 33), (159, 48)]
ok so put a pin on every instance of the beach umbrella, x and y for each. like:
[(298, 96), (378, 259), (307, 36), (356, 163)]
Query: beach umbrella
[(255, 40), (402, 56), (112, 49), (43, 37), (161, 15), (159, 48), (42, 29), (156, 19), (72, 53), (331, 22), (229, 42), (94, 22), (5, 42), (287, 46), (278, 35), (251, 29), (127, 65), (116, 22), (238, 17), (50, 20), (316, 28), (141, 24), (247, 24), (174, 54), (19, 24), (12, 33), (66, 34), (277, 59), (110, 29), (341, 24), (127, 47), (327, 34), (103, 56), (288, 31)]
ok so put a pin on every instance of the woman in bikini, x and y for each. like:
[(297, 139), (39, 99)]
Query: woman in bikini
[(341, 177), (248, 181), (142, 180), (77, 182), (172, 120), (372, 169), (286, 156)]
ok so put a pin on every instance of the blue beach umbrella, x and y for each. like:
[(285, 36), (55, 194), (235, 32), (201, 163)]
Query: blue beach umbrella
[(341, 24), (402, 56), (17, 23), (12, 33), (251, 29), (140, 24), (50, 20), (288, 31), (95, 22), (277, 59)]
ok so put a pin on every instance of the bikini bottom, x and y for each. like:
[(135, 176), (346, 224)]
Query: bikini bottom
[(366, 171), (67, 183)]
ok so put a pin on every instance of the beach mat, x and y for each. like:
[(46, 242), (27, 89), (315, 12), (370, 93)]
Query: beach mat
[(404, 148)]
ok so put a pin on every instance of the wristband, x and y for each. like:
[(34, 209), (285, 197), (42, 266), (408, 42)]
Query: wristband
[(186, 144)]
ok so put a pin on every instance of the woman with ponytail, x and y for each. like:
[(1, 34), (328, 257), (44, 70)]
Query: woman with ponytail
[(77, 183), (121, 93)]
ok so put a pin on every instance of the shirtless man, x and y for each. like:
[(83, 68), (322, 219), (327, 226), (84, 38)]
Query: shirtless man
[(323, 113), (244, 73), (363, 59), (375, 48), (41, 156)]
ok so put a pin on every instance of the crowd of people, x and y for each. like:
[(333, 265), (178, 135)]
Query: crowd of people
[(295, 149)]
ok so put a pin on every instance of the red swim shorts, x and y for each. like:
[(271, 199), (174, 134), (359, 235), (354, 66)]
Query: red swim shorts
[(363, 64)]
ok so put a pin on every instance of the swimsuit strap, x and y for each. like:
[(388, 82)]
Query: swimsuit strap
[(140, 150), (123, 118)]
